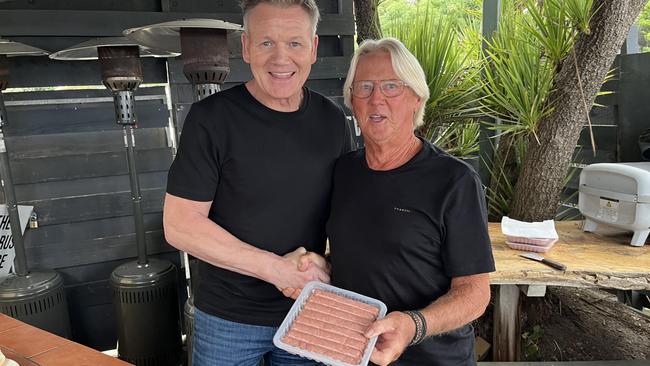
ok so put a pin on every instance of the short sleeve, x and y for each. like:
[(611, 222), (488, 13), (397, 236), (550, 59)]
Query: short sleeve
[(194, 174), (467, 248)]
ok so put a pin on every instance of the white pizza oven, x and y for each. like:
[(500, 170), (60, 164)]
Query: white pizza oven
[(617, 194)]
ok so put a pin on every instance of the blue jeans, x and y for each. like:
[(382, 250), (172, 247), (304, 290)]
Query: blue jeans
[(220, 342)]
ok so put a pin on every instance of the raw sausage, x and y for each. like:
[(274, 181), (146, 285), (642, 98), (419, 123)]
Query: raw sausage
[(332, 325)]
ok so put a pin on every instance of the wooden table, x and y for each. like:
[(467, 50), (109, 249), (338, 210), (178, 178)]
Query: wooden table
[(30, 346), (604, 259)]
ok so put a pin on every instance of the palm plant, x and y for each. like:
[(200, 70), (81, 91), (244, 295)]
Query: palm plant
[(518, 80), (458, 139), (453, 74), (523, 58), (522, 61)]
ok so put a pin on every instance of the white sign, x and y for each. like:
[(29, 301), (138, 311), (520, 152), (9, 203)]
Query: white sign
[(7, 252)]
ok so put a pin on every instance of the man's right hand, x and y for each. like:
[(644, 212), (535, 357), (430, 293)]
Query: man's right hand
[(307, 263)]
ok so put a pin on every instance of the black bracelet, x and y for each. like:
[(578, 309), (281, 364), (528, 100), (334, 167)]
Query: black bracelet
[(420, 326)]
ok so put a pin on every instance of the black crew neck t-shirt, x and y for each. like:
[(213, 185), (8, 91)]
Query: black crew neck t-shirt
[(269, 176), (401, 235)]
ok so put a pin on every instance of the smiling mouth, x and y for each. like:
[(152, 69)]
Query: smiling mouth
[(376, 117), (282, 75)]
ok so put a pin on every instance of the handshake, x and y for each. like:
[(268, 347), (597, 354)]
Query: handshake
[(297, 268)]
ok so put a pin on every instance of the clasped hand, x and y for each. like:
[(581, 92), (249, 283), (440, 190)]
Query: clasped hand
[(301, 267)]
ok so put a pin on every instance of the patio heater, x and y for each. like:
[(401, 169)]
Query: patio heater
[(203, 45), (37, 298), (145, 296)]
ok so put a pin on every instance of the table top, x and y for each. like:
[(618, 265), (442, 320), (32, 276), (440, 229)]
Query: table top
[(30, 346), (601, 259)]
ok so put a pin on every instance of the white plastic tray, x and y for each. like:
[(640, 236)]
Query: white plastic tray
[(297, 308), (530, 247), (530, 241)]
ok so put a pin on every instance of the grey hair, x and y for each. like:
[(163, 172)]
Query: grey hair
[(405, 65), (309, 6)]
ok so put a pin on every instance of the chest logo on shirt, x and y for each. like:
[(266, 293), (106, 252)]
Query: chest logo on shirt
[(404, 210)]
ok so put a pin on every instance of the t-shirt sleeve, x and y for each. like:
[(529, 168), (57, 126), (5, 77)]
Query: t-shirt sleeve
[(194, 174), (467, 248)]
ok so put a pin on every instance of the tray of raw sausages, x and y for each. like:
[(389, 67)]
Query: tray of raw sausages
[(327, 323)]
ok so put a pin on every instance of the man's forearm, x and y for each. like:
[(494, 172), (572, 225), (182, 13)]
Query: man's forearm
[(204, 239), (465, 301), (188, 228)]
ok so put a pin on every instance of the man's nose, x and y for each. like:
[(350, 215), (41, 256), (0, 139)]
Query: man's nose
[(280, 54), (376, 95)]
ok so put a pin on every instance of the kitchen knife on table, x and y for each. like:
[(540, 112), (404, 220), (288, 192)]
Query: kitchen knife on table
[(548, 262)]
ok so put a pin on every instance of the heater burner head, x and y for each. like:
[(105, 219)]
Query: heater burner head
[(119, 60), (9, 49), (120, 67), (205, 55), (203, 43)]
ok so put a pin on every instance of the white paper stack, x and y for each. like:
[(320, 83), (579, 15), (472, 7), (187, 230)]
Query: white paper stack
[(529, 236)]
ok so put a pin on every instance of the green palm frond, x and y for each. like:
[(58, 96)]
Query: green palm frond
[(453, 72), (517, 81), (579, 12), (551, 27)]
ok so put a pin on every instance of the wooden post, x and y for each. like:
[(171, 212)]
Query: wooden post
[(507, 333)]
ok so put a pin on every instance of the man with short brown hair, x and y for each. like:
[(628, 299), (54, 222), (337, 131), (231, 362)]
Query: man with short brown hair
[(249, 189)]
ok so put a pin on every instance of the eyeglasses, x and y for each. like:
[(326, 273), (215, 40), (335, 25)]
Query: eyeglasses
[(389, 88)]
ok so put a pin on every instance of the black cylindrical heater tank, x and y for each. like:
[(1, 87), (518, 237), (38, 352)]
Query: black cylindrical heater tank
[(145, 300), (37, 299)]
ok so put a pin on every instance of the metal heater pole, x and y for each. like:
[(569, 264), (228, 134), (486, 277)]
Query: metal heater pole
[(20, 261), (122, 73), (136, 196)]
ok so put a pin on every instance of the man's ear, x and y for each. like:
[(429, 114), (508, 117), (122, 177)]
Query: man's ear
[(314, 50), (245, 50)]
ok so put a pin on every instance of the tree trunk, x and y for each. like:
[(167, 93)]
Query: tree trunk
[(367, 20), (544, 168)]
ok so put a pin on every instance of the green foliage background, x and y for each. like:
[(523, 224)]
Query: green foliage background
[(644, 28), (392, 10)]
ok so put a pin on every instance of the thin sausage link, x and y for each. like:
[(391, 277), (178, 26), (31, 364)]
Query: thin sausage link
[(334, 320), (321, 350), (354, 303), (336, 313), (317, 323), (334, 346), (329, 335), (319, 298)]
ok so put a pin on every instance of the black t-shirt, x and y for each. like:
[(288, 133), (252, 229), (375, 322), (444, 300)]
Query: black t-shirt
[(269, 176), (401, 235)]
